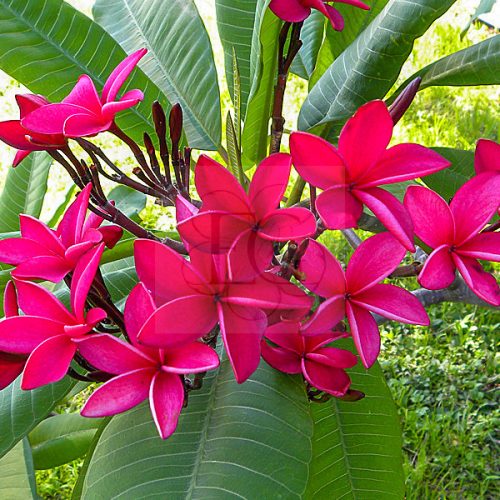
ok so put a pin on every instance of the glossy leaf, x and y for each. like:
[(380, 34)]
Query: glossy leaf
[(129, 201), (17, 476), (180, 60)]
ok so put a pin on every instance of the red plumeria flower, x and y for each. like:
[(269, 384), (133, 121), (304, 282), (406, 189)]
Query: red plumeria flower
[(296, 11), (351, 174), (83, 112), (197, 295), (11, 365), (143, 372), (47, 331), (357, 291), (44, 253), (487, 157), (454, 233), (26, 141), (244, 225), (302, 348)]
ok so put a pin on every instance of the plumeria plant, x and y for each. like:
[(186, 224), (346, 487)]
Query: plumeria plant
[(235, 356)]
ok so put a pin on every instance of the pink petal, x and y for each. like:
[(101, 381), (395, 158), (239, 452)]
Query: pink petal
[(219, 189), (152, 259), (10, 305), (431, 216), (286, 335), (364, 331), (249, 256), (27, 103), (213, 267), (338, 208), (14, 134), (281, 359), (120, 74), (47, 268), (36, 230), (334, 381), (439, 269), (242, 330), (22, 334), (213, 231), (402, 163), (48, 363), (316, 160), (474, 205), (391, 212), (85, 125), (269, 184), (329, 313), (487, 156), (166, 398), (291, 11), (483, 284), (119, 394), (16, 250), (93, 221), (394, 303), (355, 3), (75, 252), (324, 274), (331, 356), (83, 277), (129, 100), (20, 156), (315, 342), (10, 368), (84, 94), (95, 316), (113, 355), (484, 246), (336, 19), (71, 225), (179, 322), (50, 119), (288, 224), (111, 235), (190, 358), (35, 300), (373, 261), (138, 308), (365, 137)]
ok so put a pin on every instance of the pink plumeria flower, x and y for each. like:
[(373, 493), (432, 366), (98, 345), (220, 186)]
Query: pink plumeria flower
[(351, 174), (302, 348), (357, 291), (25, 141), (142, 372), (244, 225), (47, 331), (296, 11), (46, 254), (197, 295), (454, 232), (11, 365), (83, 112), (487, 158)]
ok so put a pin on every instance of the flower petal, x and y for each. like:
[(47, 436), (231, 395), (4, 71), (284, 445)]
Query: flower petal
[(364, 331), (290, 11), (71, 225), (119, 394), (84, 94), (334, 381), (281, 359), (439, 269), (49, 119), (10, 368), (10, 305), (484, 246), (331, 356), (52, 269), (138, 308), (191, 358), (286, 335), (288, 224), (487, 156), (329, 313), (316, 160), (129, 100), (338, 208), (16, 250), (48, 363), (85, 125), (14, 134), (36, 230)]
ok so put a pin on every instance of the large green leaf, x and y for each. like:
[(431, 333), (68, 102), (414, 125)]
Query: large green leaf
[(17, 476), (128, 200), (24, 190), (180, 60), (368, 68), (120, 277), (61, 439), (47, 47), (235, 22)]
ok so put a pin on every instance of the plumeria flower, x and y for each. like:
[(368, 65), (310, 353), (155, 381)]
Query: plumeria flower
[(197, 295), (350, 174), (357, 291), (11, 365), (43, 253), (487, 157), (47, 331), (454, 233), (142, 372), (302, 348), (296, 11), (83, 112), (24, 140), (244, 225)]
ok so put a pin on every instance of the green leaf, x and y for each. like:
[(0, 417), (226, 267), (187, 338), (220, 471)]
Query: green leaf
[(120, 277), (311, 35), (128, 200), (17, 476), (233, 151), (232, 441), (180, 60), (61, 439), (368, 68), (264, 64), (235, 22), (475, 65), (237, 100), (21, 411), (447, 181), (24, 190), (47, 48)]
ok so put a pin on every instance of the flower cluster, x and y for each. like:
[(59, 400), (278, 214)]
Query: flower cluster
[(248, 271)]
